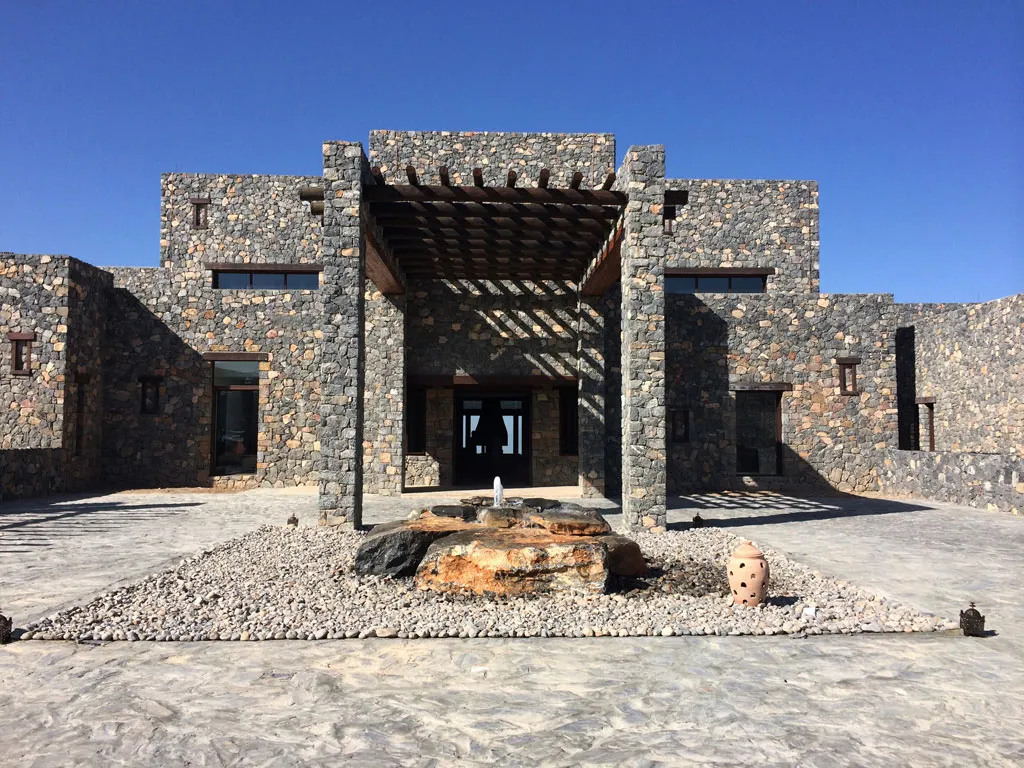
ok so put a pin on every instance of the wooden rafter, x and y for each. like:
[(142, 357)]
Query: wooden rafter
[(508, 194), (607, 267), (443, 173)]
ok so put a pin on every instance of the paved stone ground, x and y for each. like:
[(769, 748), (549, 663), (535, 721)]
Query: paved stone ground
[(864, 700)]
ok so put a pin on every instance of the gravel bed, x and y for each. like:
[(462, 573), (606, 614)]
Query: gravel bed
[(298, 583)]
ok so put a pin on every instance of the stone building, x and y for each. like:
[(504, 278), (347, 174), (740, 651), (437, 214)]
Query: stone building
[(452, 306)]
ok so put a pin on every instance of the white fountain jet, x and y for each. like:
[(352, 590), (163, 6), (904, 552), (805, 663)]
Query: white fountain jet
[(499, 492)]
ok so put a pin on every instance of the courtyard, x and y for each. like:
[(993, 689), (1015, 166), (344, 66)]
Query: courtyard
[(918, 698)]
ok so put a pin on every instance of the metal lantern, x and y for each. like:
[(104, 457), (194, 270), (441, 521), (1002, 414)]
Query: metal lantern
[(6, 625), (972, 622), (293, 521), (698, 521)]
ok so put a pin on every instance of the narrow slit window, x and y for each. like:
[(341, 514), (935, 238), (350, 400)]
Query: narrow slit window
[(568, 416), (200, 214), (679, 426), (21, 353), (668, 216), (149, 389), (848, 375)]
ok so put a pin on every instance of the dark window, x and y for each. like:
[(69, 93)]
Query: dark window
[(303, 281), (758, 433), (569, 422), (715, 283), (268, 281), (21, 356), (149, 388), (199, 213), (668, 217), (236, 373), (232, 279), (416, 421), (679, 426), (848, 376)]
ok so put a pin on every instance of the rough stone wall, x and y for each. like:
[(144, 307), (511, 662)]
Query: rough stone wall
[(163, 320), (643, 339), (970, 358), (549, 466), (433, 468), (611, 305), (89, 289), (33, 299), (749, 223), (470, 327), (593, 154), (988, 481), (592, 405), (383, 429), (342, 362), (719, 343)]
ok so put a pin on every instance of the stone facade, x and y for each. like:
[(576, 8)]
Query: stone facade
[(676, 392)]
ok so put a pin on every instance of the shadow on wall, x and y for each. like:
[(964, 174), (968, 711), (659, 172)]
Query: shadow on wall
[(738, 509), (26, 472), (170, 447)]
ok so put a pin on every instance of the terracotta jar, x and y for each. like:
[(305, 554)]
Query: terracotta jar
[(748, 575)]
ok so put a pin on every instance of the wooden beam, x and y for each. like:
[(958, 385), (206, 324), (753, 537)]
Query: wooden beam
[(577, 178), (608, 181), (499, 382), (574, 213), (484, 252), (411, 173), (441, 242), (542, 182), (478, 177), (606, 273), (443, 173), (233, 266), (378, 269), (485, 222), (508, 194), (760, 386), (378, 176), (719, 271), (592, 238)]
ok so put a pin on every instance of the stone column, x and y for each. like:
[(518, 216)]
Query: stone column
[(342, 356), (643, 340), (591, 368), (384, 413)]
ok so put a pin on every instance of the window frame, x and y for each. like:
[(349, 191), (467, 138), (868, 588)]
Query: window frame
[(147, 384), (200, 212), (16, 339), (848, 376), (250, 270), (730, 273)]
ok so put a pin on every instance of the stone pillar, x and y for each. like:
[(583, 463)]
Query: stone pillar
[(342, 355), (383, 403), (591, 368), (643, 340)]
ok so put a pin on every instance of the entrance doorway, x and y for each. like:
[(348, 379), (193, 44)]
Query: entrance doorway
[(759, 433), (492, 438), (236, 400)]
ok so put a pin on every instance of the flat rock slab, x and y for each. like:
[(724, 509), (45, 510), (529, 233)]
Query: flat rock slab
[(396, 549), (463, 511), (575, 522), (514, 562)]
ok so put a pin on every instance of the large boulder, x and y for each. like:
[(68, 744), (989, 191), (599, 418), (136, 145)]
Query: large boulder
[(514, 562), (624, 556), (396, 549)]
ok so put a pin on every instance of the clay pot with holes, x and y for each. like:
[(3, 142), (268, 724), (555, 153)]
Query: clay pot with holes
[(748, 575)]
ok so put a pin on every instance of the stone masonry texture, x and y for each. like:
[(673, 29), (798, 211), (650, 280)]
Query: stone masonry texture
[(669, 384)]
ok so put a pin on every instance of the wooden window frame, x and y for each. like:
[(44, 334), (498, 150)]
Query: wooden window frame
[(26, 359), (147, 383), (848, 375), (200, 212)]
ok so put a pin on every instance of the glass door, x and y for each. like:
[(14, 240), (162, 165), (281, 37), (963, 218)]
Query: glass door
[(492, 436)]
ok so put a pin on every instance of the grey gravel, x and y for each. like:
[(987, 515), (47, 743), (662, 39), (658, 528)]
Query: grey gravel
[(299, 583)]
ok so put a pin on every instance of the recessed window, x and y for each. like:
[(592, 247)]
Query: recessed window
[(149, 395), (716, 283), (668, 217), (199, 212), (21, 353), (416, 421), (679, 426), (266, 281), (848, 375), (568, 417), (236, 373)]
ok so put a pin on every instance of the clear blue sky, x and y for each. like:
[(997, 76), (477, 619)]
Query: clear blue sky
[(910, 115)]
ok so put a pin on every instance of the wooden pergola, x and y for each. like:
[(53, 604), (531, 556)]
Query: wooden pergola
[(477, 232)]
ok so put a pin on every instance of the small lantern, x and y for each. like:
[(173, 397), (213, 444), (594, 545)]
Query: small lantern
[(293, 522), (972, 622), (6, 625), (698, 521)]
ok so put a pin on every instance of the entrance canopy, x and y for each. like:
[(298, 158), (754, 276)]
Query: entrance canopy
[(491, 233)]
